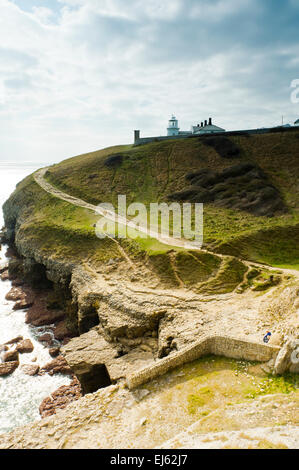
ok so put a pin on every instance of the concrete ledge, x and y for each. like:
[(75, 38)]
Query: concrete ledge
[(226, 346)]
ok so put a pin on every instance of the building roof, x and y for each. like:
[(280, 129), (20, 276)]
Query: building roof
[(208, 128)]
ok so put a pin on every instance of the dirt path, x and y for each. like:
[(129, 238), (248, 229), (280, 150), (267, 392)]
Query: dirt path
[(166, 240)]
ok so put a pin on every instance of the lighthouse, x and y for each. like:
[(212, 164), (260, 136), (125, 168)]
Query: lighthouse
[(173, 126)]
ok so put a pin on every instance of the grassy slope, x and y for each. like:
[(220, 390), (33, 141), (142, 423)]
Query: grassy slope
[(58, 229), (150, 172)]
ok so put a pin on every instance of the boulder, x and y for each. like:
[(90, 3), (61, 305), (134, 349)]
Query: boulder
[(11, 356), (30, 369), (7, 368), (283, 360), (15, 294), (25, 346), (54, 352)]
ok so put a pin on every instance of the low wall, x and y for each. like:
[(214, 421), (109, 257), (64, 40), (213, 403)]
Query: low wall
[(226, 346), (147, 140)]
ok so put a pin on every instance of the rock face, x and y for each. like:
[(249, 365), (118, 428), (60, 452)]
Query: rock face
[(60, 398), (39, 315), (7, 368), (287, 359), (57, 366)]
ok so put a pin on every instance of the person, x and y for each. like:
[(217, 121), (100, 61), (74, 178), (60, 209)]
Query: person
[(267, 337)]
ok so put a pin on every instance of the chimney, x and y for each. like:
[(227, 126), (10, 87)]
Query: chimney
[(206, 122), (136, 136), (210, 121)]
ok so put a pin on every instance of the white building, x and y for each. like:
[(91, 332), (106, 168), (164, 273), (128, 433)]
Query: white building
[(173, 126), (204, 128)]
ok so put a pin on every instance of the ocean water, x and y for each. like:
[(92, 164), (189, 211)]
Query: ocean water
[(21, 395)]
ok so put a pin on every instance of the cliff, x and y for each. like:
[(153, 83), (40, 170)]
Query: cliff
[(134, 302)]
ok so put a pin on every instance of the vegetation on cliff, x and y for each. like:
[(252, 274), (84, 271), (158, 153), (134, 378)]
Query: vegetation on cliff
[(154, 172)]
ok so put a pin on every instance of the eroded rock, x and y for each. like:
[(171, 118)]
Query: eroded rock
[(60, 398), (15, 294), (57, 366)]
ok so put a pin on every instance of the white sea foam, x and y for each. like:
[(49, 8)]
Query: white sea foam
[(20, 394)]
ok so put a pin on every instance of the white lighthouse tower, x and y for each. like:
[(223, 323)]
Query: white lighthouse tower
[(173, 126)]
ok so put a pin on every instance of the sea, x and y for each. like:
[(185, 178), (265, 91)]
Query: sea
[(20, 394)]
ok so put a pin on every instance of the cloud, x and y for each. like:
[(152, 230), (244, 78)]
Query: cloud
[(79, 75)]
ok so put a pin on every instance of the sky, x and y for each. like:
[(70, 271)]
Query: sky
[(80, 75)]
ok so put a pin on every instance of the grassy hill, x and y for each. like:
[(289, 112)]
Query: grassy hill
[(156, 172), (153, 172)]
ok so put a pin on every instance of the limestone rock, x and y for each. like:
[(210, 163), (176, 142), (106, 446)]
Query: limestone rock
[(92, 357), (276, 339), (283, 360)]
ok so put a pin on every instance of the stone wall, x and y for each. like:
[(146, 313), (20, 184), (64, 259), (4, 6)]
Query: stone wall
[(226, 346), (146, 140)]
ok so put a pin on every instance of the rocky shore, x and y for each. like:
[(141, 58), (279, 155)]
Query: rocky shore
[(41, 310)]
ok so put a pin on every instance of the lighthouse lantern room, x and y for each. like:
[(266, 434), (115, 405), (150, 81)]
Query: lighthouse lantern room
[(173, 126)]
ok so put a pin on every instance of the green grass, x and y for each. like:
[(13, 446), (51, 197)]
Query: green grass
[(149, 173), (58, 229)]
